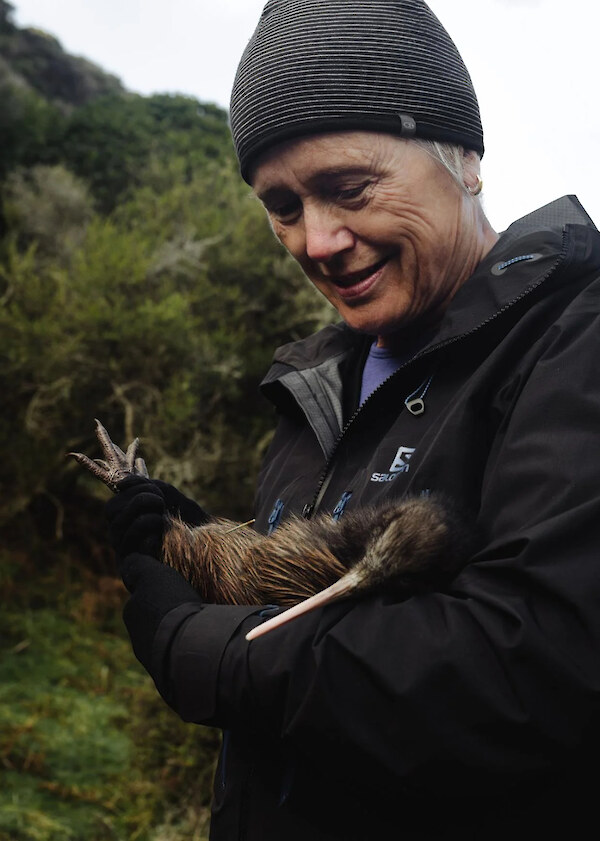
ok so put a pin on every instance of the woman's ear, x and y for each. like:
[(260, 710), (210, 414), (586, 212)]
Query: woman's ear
[(471, 173)]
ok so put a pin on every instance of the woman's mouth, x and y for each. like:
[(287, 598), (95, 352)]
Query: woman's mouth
[(354, 284)]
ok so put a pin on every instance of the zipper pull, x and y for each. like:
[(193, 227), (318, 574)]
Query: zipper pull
[(341, 506), (307, 510), (415, 402), (275, 516)]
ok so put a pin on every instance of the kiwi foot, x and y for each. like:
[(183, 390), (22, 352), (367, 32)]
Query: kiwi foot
[(116, 465)]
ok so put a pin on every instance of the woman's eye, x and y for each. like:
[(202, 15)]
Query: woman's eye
[(350, 193), (284, 212)]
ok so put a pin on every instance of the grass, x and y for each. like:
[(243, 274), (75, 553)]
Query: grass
[(88, 750)]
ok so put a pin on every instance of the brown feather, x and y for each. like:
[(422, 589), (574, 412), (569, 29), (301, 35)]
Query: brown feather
[(230, 565), (413, 543)]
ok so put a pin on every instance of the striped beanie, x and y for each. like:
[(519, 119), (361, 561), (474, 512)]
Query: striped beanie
[(333, 65)]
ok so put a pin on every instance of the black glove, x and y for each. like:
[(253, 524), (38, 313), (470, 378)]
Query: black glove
[(179, 505), (159, 586), (136, 518), (136, 515), (155, 590)]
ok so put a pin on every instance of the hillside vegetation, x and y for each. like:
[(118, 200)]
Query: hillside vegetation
[(139, 283)]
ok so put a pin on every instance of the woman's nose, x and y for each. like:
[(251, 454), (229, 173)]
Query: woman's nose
[(326, 235)]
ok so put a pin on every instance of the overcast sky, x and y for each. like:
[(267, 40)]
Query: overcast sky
[(534, 64)]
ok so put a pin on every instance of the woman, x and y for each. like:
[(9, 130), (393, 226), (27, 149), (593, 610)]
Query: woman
[(465, 365)]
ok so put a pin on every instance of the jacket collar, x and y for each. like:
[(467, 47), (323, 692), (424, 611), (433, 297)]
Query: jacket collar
[(525, 254)]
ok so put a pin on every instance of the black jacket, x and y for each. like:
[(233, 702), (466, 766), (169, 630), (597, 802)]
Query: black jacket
[(472, 712)]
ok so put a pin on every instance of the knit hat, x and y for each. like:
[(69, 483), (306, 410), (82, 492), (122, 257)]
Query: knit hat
[(332, 65)]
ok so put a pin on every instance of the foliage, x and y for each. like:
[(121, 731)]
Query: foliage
[(6, 15), (140, 283), (41, 61), (87, 749), (27, 122), (116, 142), (161, 321), (49, 208)]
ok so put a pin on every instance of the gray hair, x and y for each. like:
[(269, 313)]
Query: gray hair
[(450, 156)]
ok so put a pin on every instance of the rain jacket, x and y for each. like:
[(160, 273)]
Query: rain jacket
[(472, 712)]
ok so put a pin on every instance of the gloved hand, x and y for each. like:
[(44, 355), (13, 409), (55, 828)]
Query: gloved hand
[(136, 518), (179, 505), (155, 589), (136, 515)]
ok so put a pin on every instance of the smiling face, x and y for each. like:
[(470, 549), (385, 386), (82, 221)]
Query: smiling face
[(379, 226)]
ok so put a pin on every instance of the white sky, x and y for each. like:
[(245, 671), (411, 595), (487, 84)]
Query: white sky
[(534, 64)]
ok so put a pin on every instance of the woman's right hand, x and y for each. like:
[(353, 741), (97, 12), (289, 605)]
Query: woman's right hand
[(180, 505), (136, 518)]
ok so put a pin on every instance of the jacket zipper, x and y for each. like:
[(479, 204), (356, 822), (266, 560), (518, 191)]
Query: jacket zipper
[(312, 507)]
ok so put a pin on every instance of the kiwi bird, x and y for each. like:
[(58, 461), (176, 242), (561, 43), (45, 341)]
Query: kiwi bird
[(412, 545)]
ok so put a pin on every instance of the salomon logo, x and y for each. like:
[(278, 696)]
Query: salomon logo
[(400, 464)]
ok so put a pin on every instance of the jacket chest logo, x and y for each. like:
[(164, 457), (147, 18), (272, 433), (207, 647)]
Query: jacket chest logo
[(400, 464)]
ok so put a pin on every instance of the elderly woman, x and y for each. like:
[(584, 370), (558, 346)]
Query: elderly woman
[(465, 365)]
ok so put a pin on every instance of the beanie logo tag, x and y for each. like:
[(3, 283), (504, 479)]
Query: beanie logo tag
[(408, 126)]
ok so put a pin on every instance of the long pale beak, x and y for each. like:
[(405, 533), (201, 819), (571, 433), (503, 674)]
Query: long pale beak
[(342, 588)]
